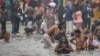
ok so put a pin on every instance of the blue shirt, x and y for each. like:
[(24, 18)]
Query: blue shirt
[(69, 13)]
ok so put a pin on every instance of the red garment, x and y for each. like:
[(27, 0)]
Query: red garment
[(2, 2), (27, 1)]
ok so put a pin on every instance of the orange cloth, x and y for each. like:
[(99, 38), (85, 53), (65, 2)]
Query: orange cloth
[(96, 14)]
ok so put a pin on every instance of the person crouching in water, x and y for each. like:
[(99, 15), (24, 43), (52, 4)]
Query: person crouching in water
[(49, 36), (5, 35), (43, 27), (63, 47), (80, 40), (92, 43), (29, 28)]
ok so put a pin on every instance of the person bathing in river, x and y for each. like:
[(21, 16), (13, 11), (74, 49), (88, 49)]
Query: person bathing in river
[(63, 47), (49, 36), (80, 40), (92, 43)]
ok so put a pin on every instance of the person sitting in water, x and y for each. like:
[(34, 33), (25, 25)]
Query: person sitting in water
[(43, 27), (92, 43), (4, 35), (80, 40), (60, 34), (29, 27), (63, 47)]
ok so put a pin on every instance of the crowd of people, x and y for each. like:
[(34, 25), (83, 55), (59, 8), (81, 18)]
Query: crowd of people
[(78, 18)]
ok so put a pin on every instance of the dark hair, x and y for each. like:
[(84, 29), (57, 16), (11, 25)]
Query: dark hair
[(60, 25), (77, 31), (60, 35), (3, 7), (83, 26), (77, 8), (65, 38), (3, 28), (87, 1)]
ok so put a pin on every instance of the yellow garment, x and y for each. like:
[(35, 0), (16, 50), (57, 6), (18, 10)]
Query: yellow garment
[(96, 14), (64, 2)]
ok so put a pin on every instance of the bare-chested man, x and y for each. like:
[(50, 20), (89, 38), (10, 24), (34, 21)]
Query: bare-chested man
[(39, 12), (83, 30), (4, 35), (80, 40), (48, 37)]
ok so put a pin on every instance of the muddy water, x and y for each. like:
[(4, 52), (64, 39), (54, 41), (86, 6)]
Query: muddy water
[(22, 46)]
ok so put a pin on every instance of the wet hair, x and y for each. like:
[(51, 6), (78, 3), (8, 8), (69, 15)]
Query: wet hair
[(60, 35), (60, 25), (77, 31), (60, 41)]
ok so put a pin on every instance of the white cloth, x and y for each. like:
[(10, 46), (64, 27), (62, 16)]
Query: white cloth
[(52, 4), (69, 26), (35, 25), (44, 26), (46, 40), (18, 14), (29, 25), (95, 42), (21, 18)]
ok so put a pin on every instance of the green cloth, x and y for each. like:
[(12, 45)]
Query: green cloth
[(8, 6), (7, 3)]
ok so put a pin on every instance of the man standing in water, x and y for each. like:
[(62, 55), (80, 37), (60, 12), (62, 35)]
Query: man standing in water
[(49, 36)]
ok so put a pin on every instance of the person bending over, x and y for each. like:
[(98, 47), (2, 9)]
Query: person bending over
[(49, 36), (5, 35)]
